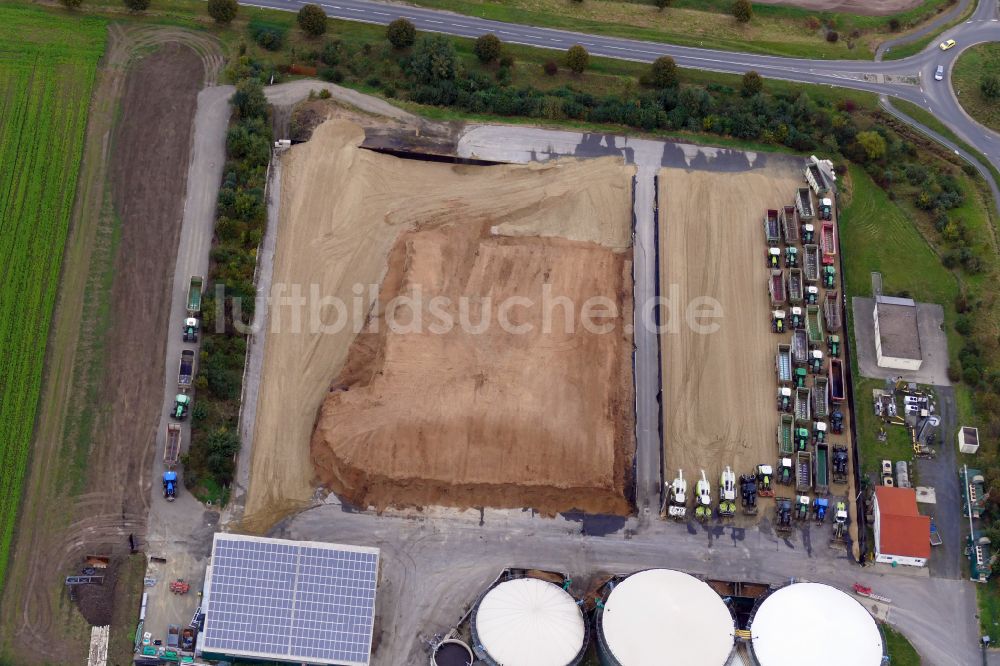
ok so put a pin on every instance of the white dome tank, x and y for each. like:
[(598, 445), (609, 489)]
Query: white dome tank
[(661, 617), (813, 623), (529, 622)]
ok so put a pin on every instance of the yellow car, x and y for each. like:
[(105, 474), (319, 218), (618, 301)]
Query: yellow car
[(947, 45)]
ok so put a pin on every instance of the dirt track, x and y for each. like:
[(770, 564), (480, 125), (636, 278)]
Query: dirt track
[(867, 7), (339, 236), (718, 389), (91, 455)]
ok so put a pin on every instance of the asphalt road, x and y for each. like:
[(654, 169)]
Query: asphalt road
[(910, 78)]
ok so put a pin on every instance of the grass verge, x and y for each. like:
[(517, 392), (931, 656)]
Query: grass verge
[(901, 652)]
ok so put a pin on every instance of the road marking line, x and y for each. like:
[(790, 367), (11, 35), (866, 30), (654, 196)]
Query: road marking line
[(433, 21)]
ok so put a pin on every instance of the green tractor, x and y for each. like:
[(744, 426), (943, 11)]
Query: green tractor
[(792, 256), (833, 345), (801, 439), (802, 507), (812, 295), (819, 432), (785, 472), (800, 377), (798, 321), (808, 234), (829, 277), (182, 403), (784, 399), (816, 362)]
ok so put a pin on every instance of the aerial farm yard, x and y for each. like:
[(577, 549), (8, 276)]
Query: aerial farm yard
[(478, 232), (46, 74), (718, 391)]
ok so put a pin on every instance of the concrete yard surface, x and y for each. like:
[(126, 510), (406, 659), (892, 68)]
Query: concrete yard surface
[(933, 344)]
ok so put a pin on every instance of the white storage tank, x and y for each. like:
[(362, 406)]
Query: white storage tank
[(661, 617), (812, 623), (528, 622)]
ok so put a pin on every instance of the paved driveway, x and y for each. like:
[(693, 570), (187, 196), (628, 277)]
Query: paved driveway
[(933, 344)]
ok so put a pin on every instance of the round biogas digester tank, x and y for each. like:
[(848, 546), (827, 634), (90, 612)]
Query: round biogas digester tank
[(528, 622), (661, 617), (812, 623), (452, 653)]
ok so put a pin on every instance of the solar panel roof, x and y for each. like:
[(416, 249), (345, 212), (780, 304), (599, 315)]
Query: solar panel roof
[(293, 600)]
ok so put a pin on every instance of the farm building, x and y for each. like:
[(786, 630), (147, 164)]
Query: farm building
[(902, 535), (299, 602), (968, 439), (897, 339)]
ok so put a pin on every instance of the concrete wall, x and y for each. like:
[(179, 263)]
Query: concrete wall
[(909, 364)]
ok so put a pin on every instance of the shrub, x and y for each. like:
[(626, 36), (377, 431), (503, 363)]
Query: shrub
[(873, 144), (401, 34), (663, 4), (487, 48), (832, 36), (894, 24), (953, 375), (813, 23), (577, 59), (136, 5), (433, 60), (331, 74), (663, 72), (743, 11), (550, 67), (507, 61), (753, 83), (312, 20), (971, 376), (325, 94), (989, 85), (249, 99), (223, 11), (331, 53), (270, 37), (963, 325)]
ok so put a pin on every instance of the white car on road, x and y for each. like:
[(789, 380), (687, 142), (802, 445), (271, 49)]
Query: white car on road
[(939, 73)]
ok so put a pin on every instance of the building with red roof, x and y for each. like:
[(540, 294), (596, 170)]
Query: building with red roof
[(902, 535)]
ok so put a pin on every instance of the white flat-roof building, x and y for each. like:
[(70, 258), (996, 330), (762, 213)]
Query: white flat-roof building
[(897, 338)]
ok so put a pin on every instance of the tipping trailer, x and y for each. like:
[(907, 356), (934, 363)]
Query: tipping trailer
[(811, 263), (821, 403), (783, 364), (803, 204), (836, 380), (803, 471), (795, 289), (194, 295), (772, 229), (831, 311), (172, 446), (790, 224), (822, 480), (800, 347), (816, 179), (802, 405), (814, 325), (785, 425), (828, 243), (776, 287), (185, 370)]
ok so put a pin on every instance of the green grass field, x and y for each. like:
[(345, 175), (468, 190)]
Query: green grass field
[(979, 60), (901, 653), (775, 29), (47, 69)]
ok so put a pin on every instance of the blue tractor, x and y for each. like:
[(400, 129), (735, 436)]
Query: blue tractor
[(820, 506), (170, 485)]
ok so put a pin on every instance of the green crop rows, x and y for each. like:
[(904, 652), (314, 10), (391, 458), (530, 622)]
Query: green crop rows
[(47, 67)]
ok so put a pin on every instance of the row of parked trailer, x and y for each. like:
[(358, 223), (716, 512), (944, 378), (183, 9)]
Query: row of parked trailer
[(802, 257), (186, 369)]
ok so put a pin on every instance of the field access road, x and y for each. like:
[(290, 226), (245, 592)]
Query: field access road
[(526, 144), (910, 78)]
